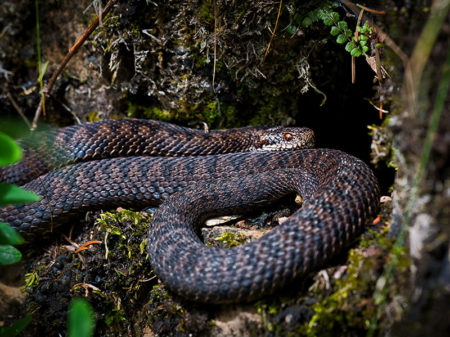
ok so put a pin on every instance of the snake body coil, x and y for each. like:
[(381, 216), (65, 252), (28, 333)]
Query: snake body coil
[(47, 151), (340, 194)]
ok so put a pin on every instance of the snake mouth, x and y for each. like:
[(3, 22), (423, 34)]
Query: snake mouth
[(288, 141), (278, 147)]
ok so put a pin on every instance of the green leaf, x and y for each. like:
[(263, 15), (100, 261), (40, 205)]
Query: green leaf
[(314, 15), (362, 37), (334, 31), (320, 14), (15, 328), (341, 39), (12, 194), (329, 18), (362, 43), (327, 21), (355, 52), (326, 17), (349, 46), (348, 32), (342, 25), (358, 28), (334, 16), (365, 49), (42, 72), (298, 19), (307, 22), (10, 152), (291, 29), (9, 255), (9, 236), (81, 319)]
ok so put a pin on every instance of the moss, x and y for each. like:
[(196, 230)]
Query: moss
[(382, 146), (187, 60), (350, 305), (169, 315), (269, 108), (31, 279), (219, 65), (267, 311), (110, 223), (232, 239), (114, 267), (157, 294), (135, 110), (206, 12), (211, 112), (115, 317), (230, 116), (199, 60)]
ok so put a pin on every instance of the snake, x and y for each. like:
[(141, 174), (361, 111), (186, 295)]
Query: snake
[(193, 175)]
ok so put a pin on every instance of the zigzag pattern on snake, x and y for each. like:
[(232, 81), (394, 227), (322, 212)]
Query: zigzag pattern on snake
[(340, 195)]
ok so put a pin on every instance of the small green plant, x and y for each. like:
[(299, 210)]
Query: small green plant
[(10, 153), (360, 47), (112, 224), (339, 28), (31, 279), (42, 67)]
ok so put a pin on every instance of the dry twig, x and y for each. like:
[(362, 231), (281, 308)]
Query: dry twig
[(274, 29), (48, 88)]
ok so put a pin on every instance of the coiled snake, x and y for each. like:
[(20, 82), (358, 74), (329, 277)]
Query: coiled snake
[(340, 194)]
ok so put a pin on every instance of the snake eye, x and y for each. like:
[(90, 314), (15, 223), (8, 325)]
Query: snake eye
[(288, 136)]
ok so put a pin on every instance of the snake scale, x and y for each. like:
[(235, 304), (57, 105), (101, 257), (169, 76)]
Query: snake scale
[(340, 194)]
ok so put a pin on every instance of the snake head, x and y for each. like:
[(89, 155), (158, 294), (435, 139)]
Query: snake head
[(285, 139)]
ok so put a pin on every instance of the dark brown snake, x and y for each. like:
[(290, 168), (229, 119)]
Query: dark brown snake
[(340, 194)]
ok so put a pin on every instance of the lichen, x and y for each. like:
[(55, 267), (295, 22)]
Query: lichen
[(382, 148)]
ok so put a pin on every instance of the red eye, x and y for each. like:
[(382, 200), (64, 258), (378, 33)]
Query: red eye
[(288, 136)]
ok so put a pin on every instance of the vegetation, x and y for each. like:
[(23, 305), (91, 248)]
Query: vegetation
[(10, 153), (204, 62), (9, 194), (232, 239), (349, 306), (81, 319)]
